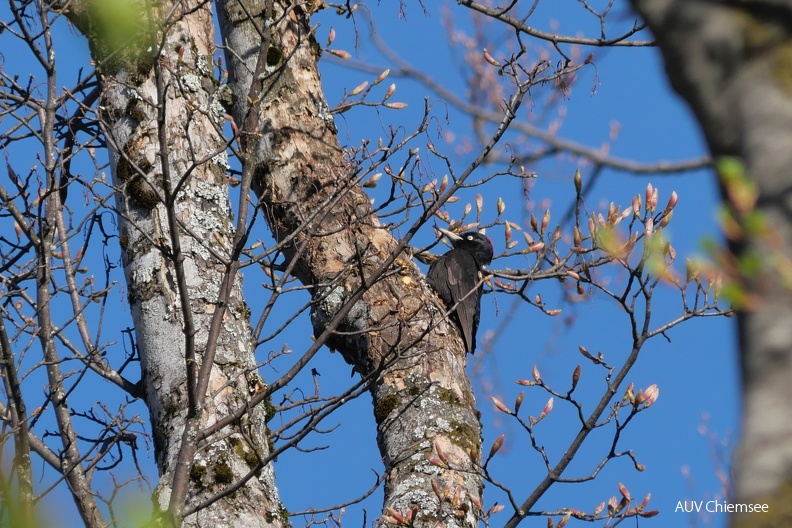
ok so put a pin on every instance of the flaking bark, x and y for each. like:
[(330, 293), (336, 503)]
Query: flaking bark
[(394, 333), (163, 122)]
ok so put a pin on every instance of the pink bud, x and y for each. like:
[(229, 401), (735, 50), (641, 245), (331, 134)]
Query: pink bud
[(612, 505), (545, 220), (645, 501), (341, 54), (501, 407), (372, 182), (444, 183), (624, 491), (534, 247), (390, 92), (496, 445), (651, 394), (476, 501), (576, 376), (490, 59), (359, 88), (395, 515), (666, 219), (628, 394), (547, 408), (612, 211), (672, 201), (381, 77), (586, 271)]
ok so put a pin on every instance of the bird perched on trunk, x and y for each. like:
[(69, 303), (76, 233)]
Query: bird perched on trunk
[(455, 277)]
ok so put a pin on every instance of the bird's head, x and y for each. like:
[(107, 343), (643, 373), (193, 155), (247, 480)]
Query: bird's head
[(477, 244)]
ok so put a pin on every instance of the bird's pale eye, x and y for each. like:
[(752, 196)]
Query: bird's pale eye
[(470, 237)]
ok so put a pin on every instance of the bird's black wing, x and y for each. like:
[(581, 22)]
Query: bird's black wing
[(465, 293)]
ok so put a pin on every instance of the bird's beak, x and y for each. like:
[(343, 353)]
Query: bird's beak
[(452, 236)]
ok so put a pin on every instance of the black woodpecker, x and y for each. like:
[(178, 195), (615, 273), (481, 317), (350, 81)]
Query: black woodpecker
[(455, 277)]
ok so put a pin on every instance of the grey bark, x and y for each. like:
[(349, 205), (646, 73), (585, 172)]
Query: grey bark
[(163, 122), (395, 335), (732, 62)]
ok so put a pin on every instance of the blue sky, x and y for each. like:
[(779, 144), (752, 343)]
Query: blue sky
[(683, 438), (693, 422)]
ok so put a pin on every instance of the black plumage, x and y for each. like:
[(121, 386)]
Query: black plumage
[(455, 277)]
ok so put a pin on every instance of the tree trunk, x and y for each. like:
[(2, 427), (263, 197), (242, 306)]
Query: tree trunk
[(163, 122), (363, 284), (732, 62)]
